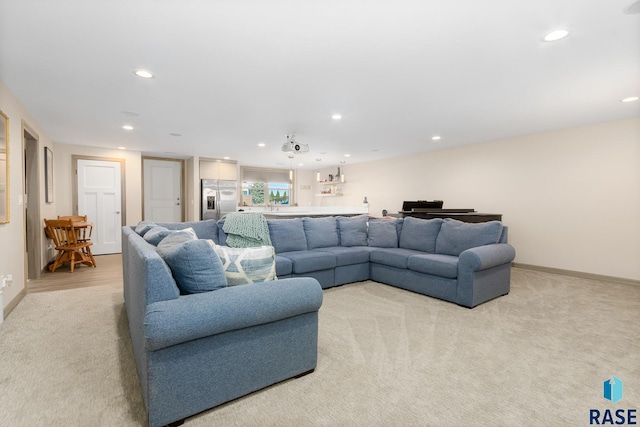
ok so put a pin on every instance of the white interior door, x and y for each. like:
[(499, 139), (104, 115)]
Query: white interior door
[(162, 185), (100, 198)]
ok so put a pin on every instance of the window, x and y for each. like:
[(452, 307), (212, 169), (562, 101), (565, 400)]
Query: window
[(265, 186)]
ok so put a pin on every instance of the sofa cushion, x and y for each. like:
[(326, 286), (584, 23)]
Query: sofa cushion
[(383, 233), (419, 234), (310, 260), (435, 264), (144, 226), (194, 265), (321, 232), (287, 235), (396, 257), (243, 266), (352, 231), (284, 266), (156, 234), (349, 256), (456, 236), (205, 229)]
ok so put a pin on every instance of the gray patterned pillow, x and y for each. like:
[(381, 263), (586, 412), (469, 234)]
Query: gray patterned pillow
[(244, 266)]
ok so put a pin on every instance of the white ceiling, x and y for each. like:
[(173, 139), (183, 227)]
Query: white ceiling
[(231, 74)]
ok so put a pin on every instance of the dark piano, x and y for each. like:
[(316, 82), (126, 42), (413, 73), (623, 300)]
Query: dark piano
[(427, 209)]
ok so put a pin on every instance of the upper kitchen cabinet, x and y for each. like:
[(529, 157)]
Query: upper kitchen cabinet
[(218, 169)]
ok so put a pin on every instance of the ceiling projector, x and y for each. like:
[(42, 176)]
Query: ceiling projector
[(291, 146)]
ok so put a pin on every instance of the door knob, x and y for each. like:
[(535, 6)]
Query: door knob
[(117, 212)]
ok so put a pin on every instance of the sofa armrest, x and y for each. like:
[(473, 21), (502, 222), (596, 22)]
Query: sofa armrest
[(483, 257), (200, 315)]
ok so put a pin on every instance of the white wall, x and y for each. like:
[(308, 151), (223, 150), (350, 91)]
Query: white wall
[(304, 191), (12, 235), (571, 198)]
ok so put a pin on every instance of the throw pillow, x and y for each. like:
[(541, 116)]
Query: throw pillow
[(144, 226), (353, 231), (222, 236), (321, 232), (383, 233), (156, 234), (244, 266), (194, 265), (189, 230), (174, 238), (419, 234), (456, 236)]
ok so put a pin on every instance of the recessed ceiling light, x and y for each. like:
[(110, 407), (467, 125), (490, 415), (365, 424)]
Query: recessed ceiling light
[(337, 117), (122, 148), (175, 134), (630, 99), (262, 144), (226, 157), (342, 162), (300, 164), (347, 155), (127, 127), (145, 74), (555, 35), (130, 114), (318, 159), (436, 138)]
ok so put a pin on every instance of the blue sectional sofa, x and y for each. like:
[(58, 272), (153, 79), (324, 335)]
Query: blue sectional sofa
[(194, 352), (467, 264)]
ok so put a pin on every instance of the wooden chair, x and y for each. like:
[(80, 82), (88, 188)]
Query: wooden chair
[(70, 248), (84, 232), (74, 218)]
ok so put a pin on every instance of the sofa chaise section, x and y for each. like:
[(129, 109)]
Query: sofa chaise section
[(194, 352)]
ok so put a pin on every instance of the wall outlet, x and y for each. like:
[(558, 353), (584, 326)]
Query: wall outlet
[(7, 280)]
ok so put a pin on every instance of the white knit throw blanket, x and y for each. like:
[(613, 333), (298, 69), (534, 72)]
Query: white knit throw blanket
[(246, 230)]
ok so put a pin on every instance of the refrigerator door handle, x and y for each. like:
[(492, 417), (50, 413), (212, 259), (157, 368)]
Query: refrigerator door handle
[(218, 205)]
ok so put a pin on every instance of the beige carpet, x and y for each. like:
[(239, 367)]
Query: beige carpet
[(386, 357)]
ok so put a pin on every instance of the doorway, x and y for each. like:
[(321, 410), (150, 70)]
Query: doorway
[(99, 194), (162, 189), (31, 192)]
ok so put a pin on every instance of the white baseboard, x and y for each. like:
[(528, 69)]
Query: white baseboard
[(599, 277), (14, 303)]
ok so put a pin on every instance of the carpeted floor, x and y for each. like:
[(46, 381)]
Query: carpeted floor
[(387, 357)]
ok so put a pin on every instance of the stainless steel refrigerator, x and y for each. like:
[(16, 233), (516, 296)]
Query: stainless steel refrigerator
[(218, 197)]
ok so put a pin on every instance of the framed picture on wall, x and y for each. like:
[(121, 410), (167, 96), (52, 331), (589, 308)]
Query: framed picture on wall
[(48, 175)]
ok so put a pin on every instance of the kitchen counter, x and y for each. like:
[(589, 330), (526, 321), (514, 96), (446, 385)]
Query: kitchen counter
[(282, 212), (281, 215)]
